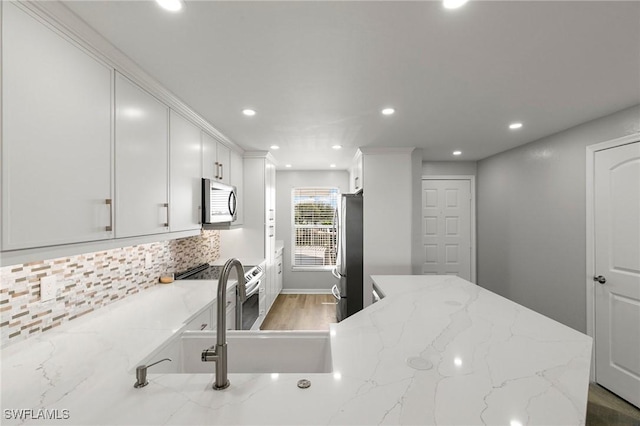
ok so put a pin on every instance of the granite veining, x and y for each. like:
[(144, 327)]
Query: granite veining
[(481, 359)]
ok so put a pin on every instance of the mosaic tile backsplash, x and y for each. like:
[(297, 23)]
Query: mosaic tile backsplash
[(90, 281)]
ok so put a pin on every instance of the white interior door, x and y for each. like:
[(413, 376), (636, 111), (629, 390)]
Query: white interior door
[(446, 227), (617, 268)]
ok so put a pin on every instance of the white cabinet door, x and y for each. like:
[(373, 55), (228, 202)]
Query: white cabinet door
[(223, 154), (185, 174), (56, 137), (279, 275), (215, 159), (210, 167), (270, 241), (356, 173), (142, 168), (205, 320), (236, 170)]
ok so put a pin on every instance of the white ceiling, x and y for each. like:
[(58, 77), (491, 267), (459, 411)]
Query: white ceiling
[(318, 73)]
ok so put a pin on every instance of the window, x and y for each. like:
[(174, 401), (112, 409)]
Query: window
[(314, 233)]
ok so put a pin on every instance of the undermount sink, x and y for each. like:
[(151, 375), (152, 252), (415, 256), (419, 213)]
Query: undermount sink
[(249, 352)]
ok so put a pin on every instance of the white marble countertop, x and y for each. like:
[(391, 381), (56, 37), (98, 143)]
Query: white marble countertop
[(493, 362)]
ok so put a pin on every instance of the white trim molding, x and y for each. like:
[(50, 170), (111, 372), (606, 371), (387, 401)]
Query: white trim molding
[(472, 180), (590, 240)]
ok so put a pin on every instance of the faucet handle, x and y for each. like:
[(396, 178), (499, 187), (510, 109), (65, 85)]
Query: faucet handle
[(141, 373)]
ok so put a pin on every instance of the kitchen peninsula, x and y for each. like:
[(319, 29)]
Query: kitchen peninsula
[(434, 350)]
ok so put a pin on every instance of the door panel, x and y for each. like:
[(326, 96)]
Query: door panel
[(185, 174), (142, 145), (446, 227), (617, 249), (56, 137)]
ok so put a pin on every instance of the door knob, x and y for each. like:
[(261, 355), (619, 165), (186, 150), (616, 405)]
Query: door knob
[(600, 279)]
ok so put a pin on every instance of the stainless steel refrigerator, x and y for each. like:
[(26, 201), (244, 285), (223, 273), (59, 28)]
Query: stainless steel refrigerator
[(349, 269)]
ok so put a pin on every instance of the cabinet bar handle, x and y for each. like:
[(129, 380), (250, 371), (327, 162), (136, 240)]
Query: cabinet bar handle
[(109, 227), (217, 170), (221, 170), (167, 206)]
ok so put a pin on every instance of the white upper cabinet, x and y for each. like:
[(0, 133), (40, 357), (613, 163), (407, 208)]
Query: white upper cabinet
[(236, 171), (223, 163), (215, 159), (142, 167), (185, 165), (56, 137), (356, 173)]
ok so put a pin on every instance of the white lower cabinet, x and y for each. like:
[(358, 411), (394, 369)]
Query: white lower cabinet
[(207, 319), (56, 137), (202, 321), (279, 273)]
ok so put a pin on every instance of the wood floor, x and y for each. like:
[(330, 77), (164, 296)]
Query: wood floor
[(317, 311), (605, 408), (301, 312)]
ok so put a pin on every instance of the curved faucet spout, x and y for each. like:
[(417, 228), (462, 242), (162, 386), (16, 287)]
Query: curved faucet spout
[(219, 355)]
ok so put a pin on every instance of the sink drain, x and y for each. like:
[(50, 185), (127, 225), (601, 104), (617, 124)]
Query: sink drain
[(304, 383)]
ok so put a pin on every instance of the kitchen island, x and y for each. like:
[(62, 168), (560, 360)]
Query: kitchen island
[(434, 350)]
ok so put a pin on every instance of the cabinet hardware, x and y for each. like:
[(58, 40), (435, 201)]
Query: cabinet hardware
[(109, 227), (217, 170), (600, 279), (167, 222), (221, 170)]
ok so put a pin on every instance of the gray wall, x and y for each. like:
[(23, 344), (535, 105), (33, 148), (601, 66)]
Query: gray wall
[(447, 168), (532, 220), (308, 281)]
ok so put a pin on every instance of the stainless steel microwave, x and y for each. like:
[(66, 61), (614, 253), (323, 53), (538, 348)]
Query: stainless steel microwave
[(219, 201)]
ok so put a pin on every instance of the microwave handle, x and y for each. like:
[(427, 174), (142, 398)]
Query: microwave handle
[(232, 203)]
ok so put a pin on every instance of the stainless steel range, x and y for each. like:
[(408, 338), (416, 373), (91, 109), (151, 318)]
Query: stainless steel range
[(253, 278)]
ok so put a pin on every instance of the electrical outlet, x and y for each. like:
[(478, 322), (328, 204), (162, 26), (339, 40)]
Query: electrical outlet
[(49, 288), (148, 261)]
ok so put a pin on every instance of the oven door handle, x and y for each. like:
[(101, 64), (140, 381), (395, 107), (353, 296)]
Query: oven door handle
[(336, 292), (253, 289)]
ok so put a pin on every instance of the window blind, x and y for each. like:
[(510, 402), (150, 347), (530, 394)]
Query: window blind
[(314, 234)]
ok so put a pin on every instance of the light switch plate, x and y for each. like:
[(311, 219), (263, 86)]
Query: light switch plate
[(48, 288), (148, 261)]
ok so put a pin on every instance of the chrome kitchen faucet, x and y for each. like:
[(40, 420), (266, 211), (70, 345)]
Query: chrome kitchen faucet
[(218, 353)]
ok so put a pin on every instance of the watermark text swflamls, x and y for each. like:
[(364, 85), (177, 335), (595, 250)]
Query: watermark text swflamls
[(37, 414)]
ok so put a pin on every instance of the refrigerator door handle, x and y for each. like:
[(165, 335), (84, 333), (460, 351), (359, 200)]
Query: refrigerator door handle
[(335, 292)]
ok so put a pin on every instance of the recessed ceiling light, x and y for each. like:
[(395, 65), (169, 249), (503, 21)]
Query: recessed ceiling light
[(337, 147), (453, 4), (274, 147), (388, 111), (170, 5), (457, 152), (332, 165), (249, 112), (288, 166), (515, 126)]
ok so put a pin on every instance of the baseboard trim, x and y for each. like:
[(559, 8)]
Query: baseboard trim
[(305, 291)]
